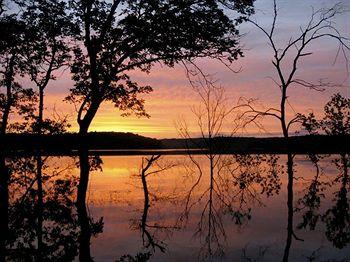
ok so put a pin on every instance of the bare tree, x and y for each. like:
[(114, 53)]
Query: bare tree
[(320, 25), (232, 180), (210, 116), (286, 61)]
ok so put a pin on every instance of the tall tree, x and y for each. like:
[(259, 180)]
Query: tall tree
[(125, 35), (12, 98), (46, 50), (286, 61)]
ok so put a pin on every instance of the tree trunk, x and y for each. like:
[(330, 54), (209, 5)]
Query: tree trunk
[(8, 83), (290, 173), (85, 122), (39, 165), (283, 112), (4, 171), (41, 111)]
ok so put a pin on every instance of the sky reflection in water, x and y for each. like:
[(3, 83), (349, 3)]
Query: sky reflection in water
[(249, 215)]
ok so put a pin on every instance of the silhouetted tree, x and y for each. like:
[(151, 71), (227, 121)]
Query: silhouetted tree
[(233, 181), (46, 49), (44, 52), (336, 120), (286, 60), (126, 35), (13, 98), (211, 115)]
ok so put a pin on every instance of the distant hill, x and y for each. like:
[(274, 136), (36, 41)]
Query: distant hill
[(295, 144), (70, 141), (129, 141)]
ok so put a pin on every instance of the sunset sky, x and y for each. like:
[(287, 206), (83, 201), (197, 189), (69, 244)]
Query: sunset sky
[(172, 96)]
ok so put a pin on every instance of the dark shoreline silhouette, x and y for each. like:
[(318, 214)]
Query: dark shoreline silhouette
[(132, 144)]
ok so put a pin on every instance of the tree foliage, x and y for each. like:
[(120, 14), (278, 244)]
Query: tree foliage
[(336, 120), (121, 36)]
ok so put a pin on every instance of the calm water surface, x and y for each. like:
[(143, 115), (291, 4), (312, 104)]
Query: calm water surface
[(178, 208)]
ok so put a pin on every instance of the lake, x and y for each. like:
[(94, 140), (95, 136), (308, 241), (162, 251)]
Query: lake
[(178, 208)]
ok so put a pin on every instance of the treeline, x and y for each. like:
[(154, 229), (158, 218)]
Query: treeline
[(72, 141), (321, 144), (69, 142)]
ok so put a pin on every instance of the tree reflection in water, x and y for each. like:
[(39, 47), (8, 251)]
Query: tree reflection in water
[(234, 186), (58, 231), (88, 227), (337, 218), (209, 203), (310, 203), (152, 232), (149, 239)]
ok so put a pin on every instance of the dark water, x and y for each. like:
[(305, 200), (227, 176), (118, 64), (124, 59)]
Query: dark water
[(176, 208)]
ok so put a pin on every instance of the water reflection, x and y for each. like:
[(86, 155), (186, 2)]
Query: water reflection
[(164, 208), (150, 232), (42, 222), (337, 218), (232, 187), (88, 227)]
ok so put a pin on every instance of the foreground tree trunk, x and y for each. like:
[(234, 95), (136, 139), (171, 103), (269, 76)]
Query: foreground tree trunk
[(4, 171), (85, 122), (39, 166)]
